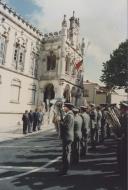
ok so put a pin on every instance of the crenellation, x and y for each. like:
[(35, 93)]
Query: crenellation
[(13, 13)]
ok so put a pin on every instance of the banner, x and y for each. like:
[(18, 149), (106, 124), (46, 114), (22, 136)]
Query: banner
[(78, 64)]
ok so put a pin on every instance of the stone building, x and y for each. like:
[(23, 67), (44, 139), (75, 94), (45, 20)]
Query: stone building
[(37, 67)]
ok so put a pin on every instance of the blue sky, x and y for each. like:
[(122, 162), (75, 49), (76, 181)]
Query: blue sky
[(103, 23), (24, 7)]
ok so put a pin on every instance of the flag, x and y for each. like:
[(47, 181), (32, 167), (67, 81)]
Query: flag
[(78, 64)]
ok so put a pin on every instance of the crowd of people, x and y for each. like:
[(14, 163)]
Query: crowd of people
[(32, 121), (82, 129)]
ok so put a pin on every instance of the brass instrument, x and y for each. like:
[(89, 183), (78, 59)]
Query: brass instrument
[(113, 121)]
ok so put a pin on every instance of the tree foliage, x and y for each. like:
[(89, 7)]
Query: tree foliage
[(115, 70)]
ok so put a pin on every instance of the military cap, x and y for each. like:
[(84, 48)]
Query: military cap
[(104, 105), (75, 110), (83, 107), (92, 105), (69, 105)]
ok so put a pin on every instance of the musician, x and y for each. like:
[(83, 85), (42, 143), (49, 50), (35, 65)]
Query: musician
[(67, 137), (85, 129), (58, 117), (99, 117), (122, 144), (93, 117), (77, 136)]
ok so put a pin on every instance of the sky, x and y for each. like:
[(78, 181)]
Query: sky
[(103, 24)]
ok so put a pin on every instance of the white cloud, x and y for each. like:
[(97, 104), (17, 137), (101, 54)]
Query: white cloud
[(103, 22)]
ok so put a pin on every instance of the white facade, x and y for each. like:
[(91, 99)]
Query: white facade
[(36, 67), (94, 94)]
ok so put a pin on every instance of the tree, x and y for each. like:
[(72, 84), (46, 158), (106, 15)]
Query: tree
[(115, 70)]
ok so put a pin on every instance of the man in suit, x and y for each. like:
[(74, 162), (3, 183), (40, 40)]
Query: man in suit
[(67, 137), (25, 120)]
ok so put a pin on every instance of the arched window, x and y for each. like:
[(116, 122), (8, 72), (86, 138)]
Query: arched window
[(15, 90), (51, 61), (66, 93), (67, 65), (32, 94), (2, 49), (19, 56)]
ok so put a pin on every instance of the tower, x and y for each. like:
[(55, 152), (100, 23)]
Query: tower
[(74, 31)]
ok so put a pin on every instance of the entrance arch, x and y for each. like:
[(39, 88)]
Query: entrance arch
[(66, 93)]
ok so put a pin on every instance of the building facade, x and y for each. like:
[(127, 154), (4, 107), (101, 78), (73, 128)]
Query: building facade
[(36, 67), (94, 93)]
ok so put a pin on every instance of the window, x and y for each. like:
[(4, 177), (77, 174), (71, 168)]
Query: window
[(32, 94), (51, 61), (34, 64), (2, 49), (15, 90), (19, 56), (67, 66)]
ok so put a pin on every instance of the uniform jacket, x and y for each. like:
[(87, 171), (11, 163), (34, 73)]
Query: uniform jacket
[(86, 122), (93, 117), (78, 127), (68, 127)]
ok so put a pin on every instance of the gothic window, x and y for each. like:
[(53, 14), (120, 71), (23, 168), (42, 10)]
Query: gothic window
[(32, 94), (51, 61), (2, 49), (15, 90), (34, 64), (19, 57), (67, 65)]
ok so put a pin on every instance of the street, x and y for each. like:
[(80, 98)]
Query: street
[(32, 163)]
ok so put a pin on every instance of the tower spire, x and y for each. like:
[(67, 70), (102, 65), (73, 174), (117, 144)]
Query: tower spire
[(64, 22), (73, 14)]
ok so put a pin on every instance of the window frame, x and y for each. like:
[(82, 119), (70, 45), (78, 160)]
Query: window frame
[(4, 50), (32, 88), (16, 83)]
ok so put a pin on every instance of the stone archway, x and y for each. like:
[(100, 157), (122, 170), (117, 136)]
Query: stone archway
[(49, 94), (66, 93)]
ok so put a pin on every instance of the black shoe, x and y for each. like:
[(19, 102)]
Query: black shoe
[(92, 149), (62, 173)]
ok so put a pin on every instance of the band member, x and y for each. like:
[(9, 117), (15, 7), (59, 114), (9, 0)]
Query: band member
[(122, 144), (85, 130), (99, 117), (77, 136), (93, 117), (67, 137)]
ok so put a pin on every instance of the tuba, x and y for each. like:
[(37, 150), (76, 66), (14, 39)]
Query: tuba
[(113, 121)]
